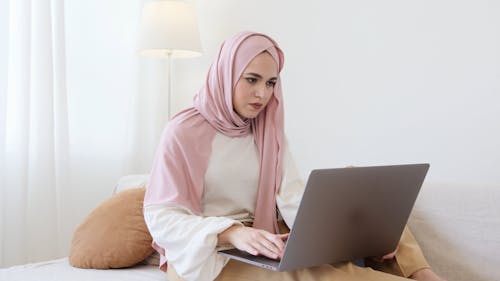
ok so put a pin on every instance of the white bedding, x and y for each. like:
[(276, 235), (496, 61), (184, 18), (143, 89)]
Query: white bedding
[(61, 270)]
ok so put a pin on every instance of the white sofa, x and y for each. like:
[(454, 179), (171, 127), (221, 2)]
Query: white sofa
[(457, 225), (458, 228)]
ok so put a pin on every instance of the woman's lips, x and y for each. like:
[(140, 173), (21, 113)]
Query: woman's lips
[(256, 105)]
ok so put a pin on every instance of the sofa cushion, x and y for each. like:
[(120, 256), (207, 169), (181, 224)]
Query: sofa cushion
[(114, 235)]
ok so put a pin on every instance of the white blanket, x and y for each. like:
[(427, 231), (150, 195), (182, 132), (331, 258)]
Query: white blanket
[(61, 270)]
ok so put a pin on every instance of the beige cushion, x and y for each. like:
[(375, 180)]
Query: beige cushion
[(114, 235)]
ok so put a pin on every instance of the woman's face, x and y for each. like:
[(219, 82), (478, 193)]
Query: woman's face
[(255, 87)]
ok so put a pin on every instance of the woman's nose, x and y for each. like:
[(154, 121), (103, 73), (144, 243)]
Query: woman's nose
[(260, 91)]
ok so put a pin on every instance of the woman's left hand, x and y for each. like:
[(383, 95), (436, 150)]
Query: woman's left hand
[(386, 256)]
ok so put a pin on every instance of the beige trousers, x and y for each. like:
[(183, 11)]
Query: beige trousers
[(409, 258)]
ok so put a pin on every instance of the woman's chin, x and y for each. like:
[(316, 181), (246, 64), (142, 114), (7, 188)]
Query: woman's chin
[(248, 114), (252, 115)]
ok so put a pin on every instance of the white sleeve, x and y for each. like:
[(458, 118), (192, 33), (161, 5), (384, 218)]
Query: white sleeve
[(189, 241), (292, 188)]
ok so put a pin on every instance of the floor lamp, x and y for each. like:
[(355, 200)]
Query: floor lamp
[(169, 30)]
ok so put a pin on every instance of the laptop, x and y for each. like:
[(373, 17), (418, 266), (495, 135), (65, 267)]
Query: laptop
[(346, 214)]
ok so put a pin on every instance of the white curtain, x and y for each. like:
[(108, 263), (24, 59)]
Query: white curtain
[(67, 80), (34, 144)]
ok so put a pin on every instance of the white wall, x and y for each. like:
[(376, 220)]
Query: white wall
[(377, 82), (365, 82)]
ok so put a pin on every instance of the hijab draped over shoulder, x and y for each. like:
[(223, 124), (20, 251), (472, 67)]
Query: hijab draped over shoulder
[(181, 160)]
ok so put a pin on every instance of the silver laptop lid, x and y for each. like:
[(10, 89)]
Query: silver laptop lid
[(351, 213)]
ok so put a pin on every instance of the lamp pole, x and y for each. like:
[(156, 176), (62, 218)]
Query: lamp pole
[(168, 29), (169, 80)]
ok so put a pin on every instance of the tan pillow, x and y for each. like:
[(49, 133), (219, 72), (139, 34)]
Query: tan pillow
[(114, 235)]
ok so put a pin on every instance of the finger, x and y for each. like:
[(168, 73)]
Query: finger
[(263, 250), (283, 237), (251, 250), (379, 258), (270, 246), (277, 241), (389, 256)]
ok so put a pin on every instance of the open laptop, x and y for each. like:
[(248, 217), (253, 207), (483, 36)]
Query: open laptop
[(347, 213)]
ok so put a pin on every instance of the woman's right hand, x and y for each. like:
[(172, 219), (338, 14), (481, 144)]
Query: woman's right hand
[(254, 241)]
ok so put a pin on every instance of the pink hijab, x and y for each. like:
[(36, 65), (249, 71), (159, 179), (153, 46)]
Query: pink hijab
[(177, 176)]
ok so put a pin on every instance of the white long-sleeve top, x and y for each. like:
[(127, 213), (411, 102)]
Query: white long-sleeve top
[(229, 197)]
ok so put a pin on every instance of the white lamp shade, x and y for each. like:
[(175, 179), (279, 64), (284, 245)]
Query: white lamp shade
[(169, 26)]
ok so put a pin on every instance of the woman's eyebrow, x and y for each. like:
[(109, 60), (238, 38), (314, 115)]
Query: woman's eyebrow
[(257, 75)]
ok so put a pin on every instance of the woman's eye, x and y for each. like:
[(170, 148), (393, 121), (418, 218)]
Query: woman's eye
[(251, 80), (271, 83)]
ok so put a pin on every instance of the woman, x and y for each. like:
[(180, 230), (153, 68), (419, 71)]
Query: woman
[(223, 176)]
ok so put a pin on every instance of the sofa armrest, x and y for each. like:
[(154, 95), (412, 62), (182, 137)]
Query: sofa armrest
[(458, 229)]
